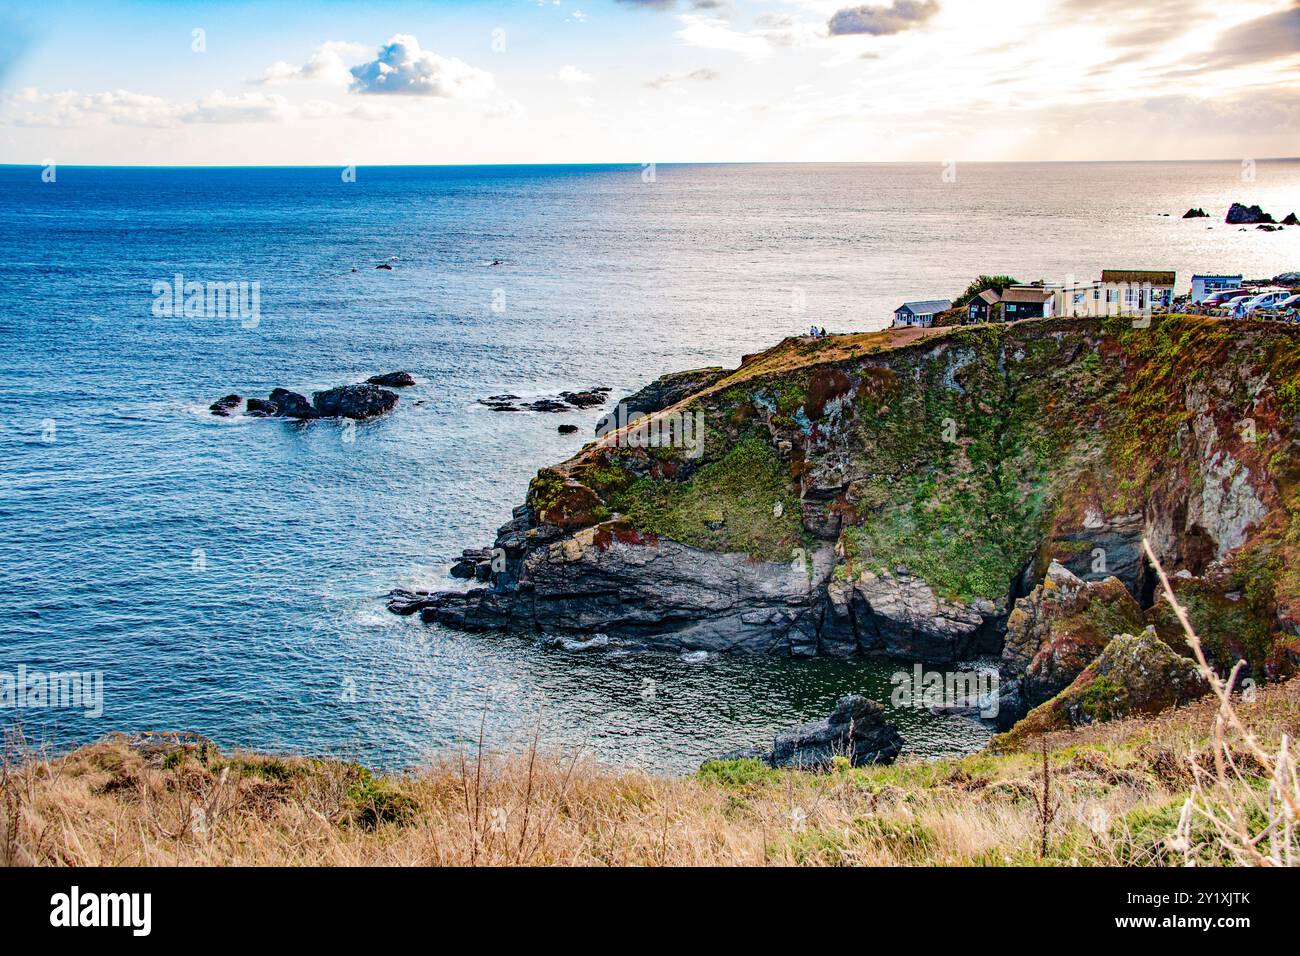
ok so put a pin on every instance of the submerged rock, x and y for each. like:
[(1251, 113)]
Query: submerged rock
[(404, 602), (597, 642), (224, 406), (564, 402), (354, 401), (855, 730)]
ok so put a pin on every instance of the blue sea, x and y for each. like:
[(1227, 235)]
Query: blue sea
[(228, 576)]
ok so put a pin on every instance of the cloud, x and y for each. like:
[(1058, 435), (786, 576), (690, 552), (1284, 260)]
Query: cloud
[(882, 21), (124, 108), (783, 29), (506, 109), (1255, 41), (328, 64), (402, 68), (711, 33), (250, 107), (71, 109), (572, 75), (1145, 24), (703, 74)]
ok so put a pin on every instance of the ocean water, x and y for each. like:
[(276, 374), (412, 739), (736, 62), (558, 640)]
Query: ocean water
[(228, 575)]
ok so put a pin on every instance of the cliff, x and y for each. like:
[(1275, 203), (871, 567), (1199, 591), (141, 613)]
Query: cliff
[(897, 492)]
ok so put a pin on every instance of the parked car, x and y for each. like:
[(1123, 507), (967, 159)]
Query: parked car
[(1261, 301), (1218, 298)]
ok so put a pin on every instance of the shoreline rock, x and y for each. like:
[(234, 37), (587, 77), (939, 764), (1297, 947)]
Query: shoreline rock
[(855, 730)]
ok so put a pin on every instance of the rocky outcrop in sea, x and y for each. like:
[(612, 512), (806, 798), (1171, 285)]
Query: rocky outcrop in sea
[(357, 402), (856, 731)]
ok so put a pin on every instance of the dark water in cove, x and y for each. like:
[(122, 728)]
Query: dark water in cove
[(228, 576)]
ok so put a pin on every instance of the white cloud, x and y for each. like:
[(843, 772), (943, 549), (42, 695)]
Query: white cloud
[(703, 74), (124, 108), (328, 64), (506, 109), (249, 107), (402, 68), (711, 33), (572, 75)]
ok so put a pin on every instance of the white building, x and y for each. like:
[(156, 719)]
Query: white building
[(1205, 286)]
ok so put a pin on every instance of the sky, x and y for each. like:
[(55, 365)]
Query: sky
[(335, 82)]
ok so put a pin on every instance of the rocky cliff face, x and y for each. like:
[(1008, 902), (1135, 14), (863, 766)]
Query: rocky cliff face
[(1132, 676), (897, 492)]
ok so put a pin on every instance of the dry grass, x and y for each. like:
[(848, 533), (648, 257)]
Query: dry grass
[(149, 800), (1245, 799)]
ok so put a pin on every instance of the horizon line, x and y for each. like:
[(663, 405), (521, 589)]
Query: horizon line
[(637, 163)]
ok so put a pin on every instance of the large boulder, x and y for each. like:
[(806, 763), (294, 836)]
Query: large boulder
[(291, 404), (856, 730), (1134, 676), (1196, 213), (1240, 215), (1056, 631), (354, 401)]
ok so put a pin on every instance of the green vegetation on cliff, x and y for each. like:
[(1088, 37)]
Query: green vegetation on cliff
[(730, 504)]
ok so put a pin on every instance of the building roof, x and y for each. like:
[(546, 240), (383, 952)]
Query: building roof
[(1198, 275), (1137, 275), (1021, 293), (990, 296), (925, 306)]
